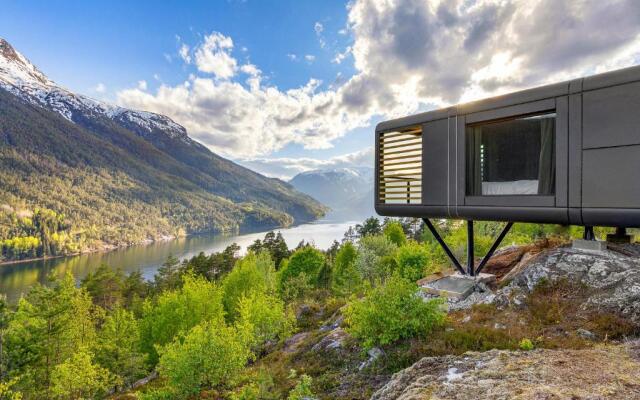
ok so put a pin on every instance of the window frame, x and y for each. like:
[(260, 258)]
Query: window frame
[(557, 106)]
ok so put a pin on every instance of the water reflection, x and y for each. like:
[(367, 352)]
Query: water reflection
[(16, 279)]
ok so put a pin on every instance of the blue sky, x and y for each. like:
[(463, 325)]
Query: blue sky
[(286, 86), (82, 44)]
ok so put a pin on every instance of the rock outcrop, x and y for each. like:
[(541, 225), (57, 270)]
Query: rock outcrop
[(611, 278), (605, 372), (609, 283)]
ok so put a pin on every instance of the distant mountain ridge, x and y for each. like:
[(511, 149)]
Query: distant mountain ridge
[(347, 191), (137, 160)]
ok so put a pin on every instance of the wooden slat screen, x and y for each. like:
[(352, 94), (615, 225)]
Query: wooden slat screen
[(400, 178)]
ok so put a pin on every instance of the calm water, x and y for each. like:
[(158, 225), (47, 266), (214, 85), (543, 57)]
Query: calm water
[(16, 279)]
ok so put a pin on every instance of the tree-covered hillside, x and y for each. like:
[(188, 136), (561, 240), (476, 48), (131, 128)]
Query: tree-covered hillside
[(113, 187)]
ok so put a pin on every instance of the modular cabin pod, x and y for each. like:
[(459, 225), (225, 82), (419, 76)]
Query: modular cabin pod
[(567, 153)]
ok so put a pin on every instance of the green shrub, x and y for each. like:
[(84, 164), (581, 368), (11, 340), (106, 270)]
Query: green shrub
[(209, 355), (267, 268), (394, 232), (375, 260), (242, 281), (413, 261), (302, 390), (295, 288), (177, 311), (392, 311), (346, 277), (526, 345), (250, 391), (267, 317), (306, 260), (79, 377)]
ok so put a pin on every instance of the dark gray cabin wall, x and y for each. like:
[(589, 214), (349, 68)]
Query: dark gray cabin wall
[(435, 143), (597, 149), (611, 161), (575, 153)]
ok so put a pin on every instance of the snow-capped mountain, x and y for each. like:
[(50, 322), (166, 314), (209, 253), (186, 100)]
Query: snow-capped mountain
[(119, 169), (20, 77), (347, 191)]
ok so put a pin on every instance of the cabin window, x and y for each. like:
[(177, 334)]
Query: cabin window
[(400, 166), (511, 157)]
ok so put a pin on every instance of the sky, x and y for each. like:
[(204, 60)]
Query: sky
[(288, 86)]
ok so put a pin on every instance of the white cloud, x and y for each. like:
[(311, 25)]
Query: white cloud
[(214, 56), (340, 57), (142, 85), (156, 77), (250, 69), (100, 88), (292, 57), (285, 168), (310, 58), (184, 53), (408, 55), (319, 28)]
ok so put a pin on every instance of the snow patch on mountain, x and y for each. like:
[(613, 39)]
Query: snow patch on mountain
[(20, 77)]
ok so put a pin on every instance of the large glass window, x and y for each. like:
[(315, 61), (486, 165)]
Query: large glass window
[(512, 157)]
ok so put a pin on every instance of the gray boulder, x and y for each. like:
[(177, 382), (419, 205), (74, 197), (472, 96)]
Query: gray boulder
[(613, 276)]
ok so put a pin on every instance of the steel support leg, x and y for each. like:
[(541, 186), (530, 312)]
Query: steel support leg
[(495, 245), (470, 270), (470, 250), (444, 246), (588, 233)]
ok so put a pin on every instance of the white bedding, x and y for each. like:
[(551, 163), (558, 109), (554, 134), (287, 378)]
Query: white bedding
[(512, 187)]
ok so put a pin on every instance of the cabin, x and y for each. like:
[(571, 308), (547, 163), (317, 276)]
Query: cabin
[(566, 153)]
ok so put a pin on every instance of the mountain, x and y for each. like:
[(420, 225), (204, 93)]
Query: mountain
[(116, 176), (347, 191)]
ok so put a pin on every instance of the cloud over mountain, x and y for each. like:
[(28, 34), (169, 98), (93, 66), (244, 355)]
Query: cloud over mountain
[(408, 55)]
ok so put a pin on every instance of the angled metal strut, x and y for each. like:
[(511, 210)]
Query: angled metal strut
[(471, 269)]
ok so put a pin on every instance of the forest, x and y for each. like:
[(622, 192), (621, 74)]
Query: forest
[(220, 325), (107, 186)]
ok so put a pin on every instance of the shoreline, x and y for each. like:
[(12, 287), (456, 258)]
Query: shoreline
[(167, 238)]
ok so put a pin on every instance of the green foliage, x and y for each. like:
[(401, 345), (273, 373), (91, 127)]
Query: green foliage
[(214, 266), (346, 279), (169, 275), (307, 260), (105, 286), (370, 226), (244, 280), (117, 347), (79, 377), (209, 355), (247, 392), (296, 287), (302, 390), (21, 247), (274, 244), (27, 234), (413, 261), (394, 232), (50, 324), (175, 312), (375, 260), (526, 345), (6, 315), (267, 316), (7, 391), (392, 311)]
